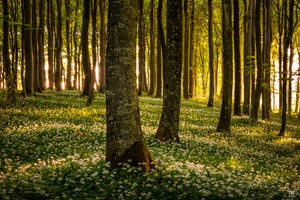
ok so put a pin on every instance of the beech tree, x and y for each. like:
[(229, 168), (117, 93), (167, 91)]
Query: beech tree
[(225, 116), (169, 120), (11, 96), (124, 141), (211, 55)]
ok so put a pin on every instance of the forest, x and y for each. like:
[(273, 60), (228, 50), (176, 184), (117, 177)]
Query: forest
[(149, 99)]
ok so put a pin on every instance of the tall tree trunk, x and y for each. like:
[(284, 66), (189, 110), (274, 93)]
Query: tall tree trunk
[(298, 87), (191, 59), (50, 43), (186, 51), (288, 34), (290, 77), (35, 36), (266, 61), (41, 38), (225, 116), (141, 36), (68, 45), (11, 96), (162, 45), (59, 45), (248, 10), (280, 33), (152, 51), (258, 87), (102, 71), (85, 48), (211, 55), (237, 61), (15, 43), (94, 52), (76, 51), (124, 141), (169, 121), (29, 70)]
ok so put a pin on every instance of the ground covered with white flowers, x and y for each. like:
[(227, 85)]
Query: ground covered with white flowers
[(53, 147)]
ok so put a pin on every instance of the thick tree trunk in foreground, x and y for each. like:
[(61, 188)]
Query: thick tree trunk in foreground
[(125, 143), (169, 121), (225, 117)]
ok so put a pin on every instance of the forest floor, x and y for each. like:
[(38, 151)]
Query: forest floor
[(53, 147)]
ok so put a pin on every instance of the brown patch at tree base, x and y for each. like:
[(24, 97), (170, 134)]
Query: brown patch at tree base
[(136, 155)]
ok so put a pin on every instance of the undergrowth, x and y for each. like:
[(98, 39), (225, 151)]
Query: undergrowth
[(53, 147)]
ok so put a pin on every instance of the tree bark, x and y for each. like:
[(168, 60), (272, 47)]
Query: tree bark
[(94, 52), (169, 121), (125, 143), (102, 70), (288, 35), (225, 116), (186, 51), (11, 95), (29, 70), (152, 51), (211, 55), (191, 59), (162, 46), (41, 38), (141, 43), (248, 10), (258, 87), (50, 43), (86, 65), (237, 61), (68, 45), (59, 45)]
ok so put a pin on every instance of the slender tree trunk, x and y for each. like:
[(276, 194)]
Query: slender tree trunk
[(288, 34), (248, 10), (29, 71), (298, 87), (152, 51), (76, 56), (169, 121), (237, 61), (280, 32), (211, 55), (35, 36), (258, 88), (102, 70), (162, 45), (290, 77), (85, 48), (158, 65), (191, 58), (50, 43), (68, 45), (266, 61), (11, 95), (41, 38), (59, 45), (141, 36), (225, 116), (124, 141), (94, 52), (186, 51)]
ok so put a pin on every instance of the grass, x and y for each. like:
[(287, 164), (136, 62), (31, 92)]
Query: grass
[(53, 147)]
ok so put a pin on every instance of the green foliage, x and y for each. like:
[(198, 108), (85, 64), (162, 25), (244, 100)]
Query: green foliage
[(52, 147)]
